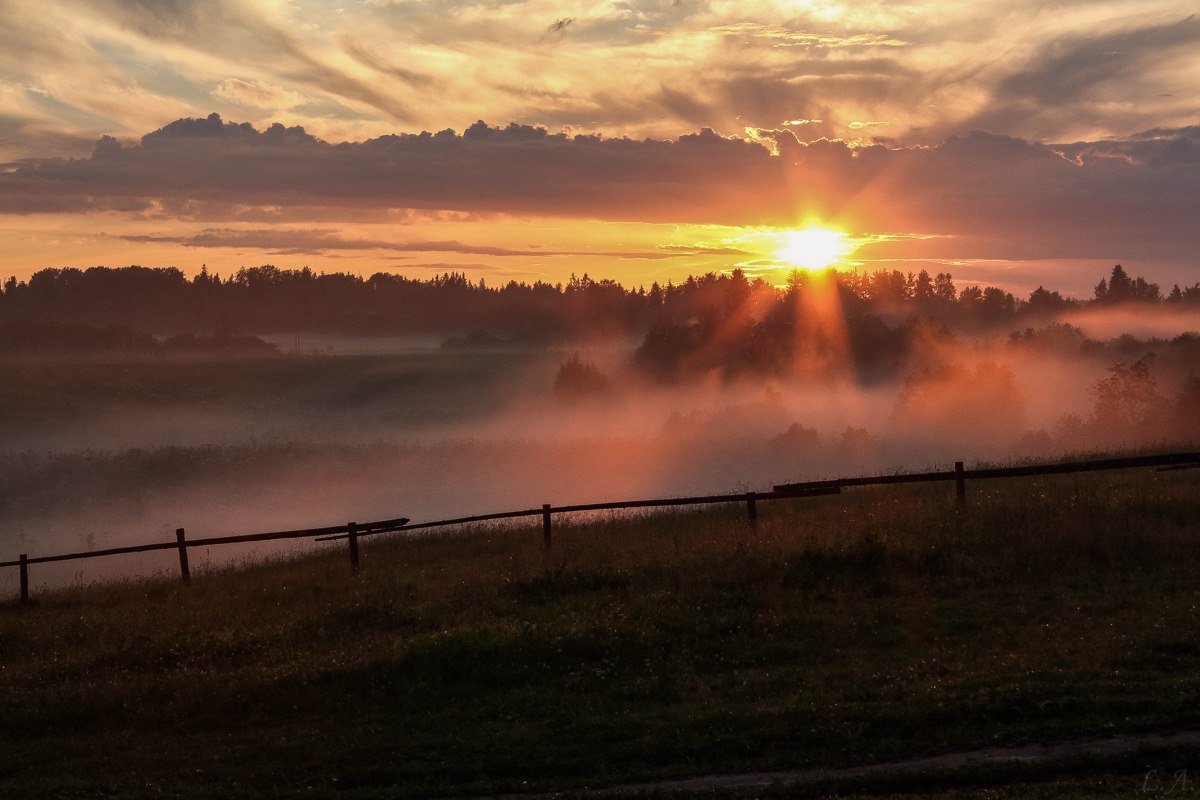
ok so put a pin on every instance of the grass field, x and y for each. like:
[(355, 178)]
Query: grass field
[(872, 626)]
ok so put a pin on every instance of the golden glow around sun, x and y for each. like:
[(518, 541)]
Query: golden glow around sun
[(813, 247)]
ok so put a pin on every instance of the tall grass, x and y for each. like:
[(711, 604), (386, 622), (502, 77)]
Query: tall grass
[(874, 625)]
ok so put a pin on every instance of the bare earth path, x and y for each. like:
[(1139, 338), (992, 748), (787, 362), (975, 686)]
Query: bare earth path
[(1030, 754)]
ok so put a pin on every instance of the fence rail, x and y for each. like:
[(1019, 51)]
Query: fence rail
[(1131, 462), (353, 531)]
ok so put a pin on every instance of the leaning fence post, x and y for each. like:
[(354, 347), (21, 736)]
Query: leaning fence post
[(352, 540), (24, 578), (546, 535), (752, 511), (184, 571), (960, 484)]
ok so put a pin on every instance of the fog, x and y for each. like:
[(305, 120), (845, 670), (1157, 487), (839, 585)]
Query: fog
[(310, 440), (1133, 321)]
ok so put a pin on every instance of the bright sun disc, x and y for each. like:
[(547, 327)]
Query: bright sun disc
[(813, 248)]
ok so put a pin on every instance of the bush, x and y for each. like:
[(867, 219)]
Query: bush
[(580, 380)]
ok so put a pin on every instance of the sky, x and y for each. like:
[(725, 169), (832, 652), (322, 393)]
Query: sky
[(1012, 143)]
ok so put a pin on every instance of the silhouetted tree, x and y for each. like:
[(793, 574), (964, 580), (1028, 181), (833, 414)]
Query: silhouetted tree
[(1057, 336), (923, 289), (1120, 288), (1043, 302), (996, 305), (970, 296), (1127, 401), (797, 439), (580, 380), (943, 287), (1185, 410)]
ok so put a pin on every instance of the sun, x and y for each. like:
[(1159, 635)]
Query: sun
[(813, 247)]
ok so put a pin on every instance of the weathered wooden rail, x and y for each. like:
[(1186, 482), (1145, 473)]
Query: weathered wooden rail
[(352, 532), (749, 498), (182, 543)]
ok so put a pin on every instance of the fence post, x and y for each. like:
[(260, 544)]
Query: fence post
[(546, 535), (184, 571), (24, 578), (960, 484), (752, 511), (352, 540)]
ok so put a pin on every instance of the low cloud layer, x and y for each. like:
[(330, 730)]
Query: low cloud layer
[(980, 195), (286, 241)]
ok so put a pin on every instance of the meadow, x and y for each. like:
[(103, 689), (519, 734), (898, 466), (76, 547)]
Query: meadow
[(876, 625)]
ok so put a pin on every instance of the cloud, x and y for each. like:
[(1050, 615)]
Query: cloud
[(635, 67), (1087, 80), (259, 94), (785, 36), (362, 55), (241, 32), (702, 250), (986, 195), (517, 169), (322, 241), (454, 266), (1074, 67)]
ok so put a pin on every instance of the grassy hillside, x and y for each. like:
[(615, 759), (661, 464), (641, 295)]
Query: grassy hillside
[(871, 626)]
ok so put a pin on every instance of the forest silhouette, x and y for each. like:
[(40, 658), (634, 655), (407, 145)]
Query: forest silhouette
[(865, 324), (269, 299)]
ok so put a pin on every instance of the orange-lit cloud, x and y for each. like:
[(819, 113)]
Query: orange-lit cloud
[(984, 196)]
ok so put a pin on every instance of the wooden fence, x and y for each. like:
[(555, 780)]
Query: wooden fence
[(353, 531)]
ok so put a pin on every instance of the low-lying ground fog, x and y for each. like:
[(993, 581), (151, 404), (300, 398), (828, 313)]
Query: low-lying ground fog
[(106, 451)]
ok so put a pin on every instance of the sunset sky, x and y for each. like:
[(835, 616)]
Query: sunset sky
[(1011, 142)]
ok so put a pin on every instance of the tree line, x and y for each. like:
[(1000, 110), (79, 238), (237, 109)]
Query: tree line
[(273, 300), (728, 321)]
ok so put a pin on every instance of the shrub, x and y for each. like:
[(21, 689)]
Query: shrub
[(580, 380)]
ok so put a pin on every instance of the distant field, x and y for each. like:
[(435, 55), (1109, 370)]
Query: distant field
[(872, 626)]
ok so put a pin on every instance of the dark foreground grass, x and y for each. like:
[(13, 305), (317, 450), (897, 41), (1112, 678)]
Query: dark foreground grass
[(876, 625), (1139, 773)]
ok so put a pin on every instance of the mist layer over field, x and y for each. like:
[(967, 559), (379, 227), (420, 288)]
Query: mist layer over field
[(105, 452)]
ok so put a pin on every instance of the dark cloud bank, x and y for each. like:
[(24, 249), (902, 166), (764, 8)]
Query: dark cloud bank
[(991, 196)]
